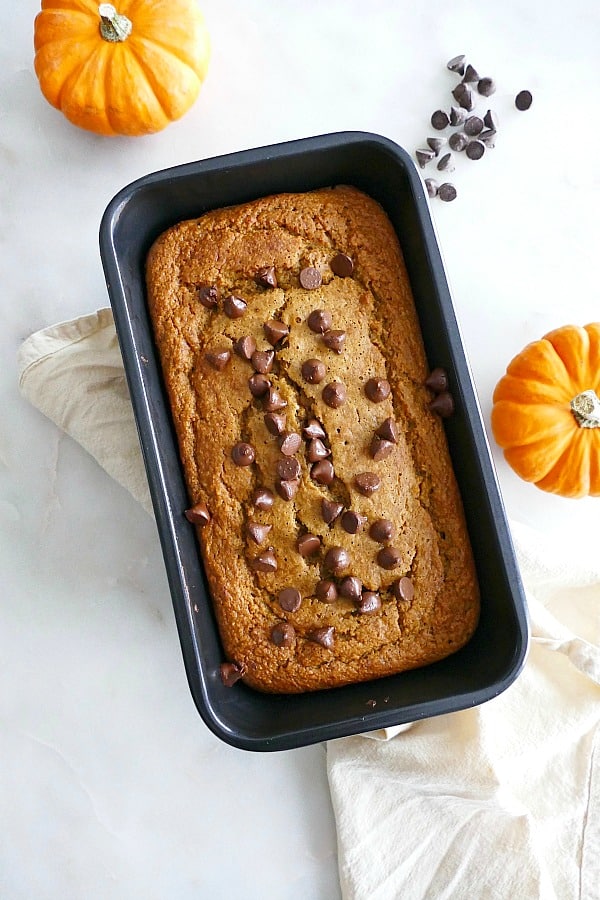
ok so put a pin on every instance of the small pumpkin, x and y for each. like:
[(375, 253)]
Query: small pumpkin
[(546, 412), (129, 72)]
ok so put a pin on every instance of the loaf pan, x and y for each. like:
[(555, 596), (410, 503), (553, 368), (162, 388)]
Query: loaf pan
[(493, 658)]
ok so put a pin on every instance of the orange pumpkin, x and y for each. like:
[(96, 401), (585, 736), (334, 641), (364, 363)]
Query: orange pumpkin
[(546, 412), (128, 72)]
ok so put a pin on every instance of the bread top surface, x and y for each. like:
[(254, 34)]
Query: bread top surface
[(214, 410)]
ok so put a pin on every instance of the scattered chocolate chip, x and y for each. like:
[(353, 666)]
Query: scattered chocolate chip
[(322, 636), (310, 278), (458, 141), (262, 498), (320, 321), (443, 404), (275, 331), (266, 277), (491, 120), (475, 149), (523, 100), (457, 64), (370, 603), (208, 296), (262, 361), (322, 472), (467, 99), (489, 138), (259, 385), (440, 120), (380, 448), (342, 265), (283, 634), (377, 389), (231, 672), (313, 429), (234, 307), (288, 468), (470, 75), (218, 359), (366, 483), (336, 559), (460, 92), (257, 532), (382, 530), (389, 557), (335, 340), (313, 371), (446, 164), (243, 454), (289, 599), (437, 380), (352, 522), (372, 703), (273, 401), (473, 126), (326, 591), (265, 562), (198, 514), (287, 490), (486, 86), (457, 116), (388, 430), (447, 192), (436, 144), (403, 589), (245, 346), (424, 157), (275, 423), (317, 450), (334, 394), (308, 544), (330, 510), (350, 587), (432, 186), (289, 442)]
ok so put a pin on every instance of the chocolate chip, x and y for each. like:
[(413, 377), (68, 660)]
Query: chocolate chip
[(313, 429), (443, 405), (322, 472), (351, 587), (259, 385), (275, 423), (377, 389), (388, 430), (289, 599), (486, 86), (436, 144), (287, 490), (473, 126), (283, 634), (467, 99), (457, 64), (313, 371), (336, 559), (326, 591), (310, 278), (403, 589), (320, 321), (317, 450), (437, 380), (491, 120), (218, 359), (489, 138), (458, 141), (208, 296), (234, 307), (334, 394), (275, 331), (470, 75), (289, 443), (457, 116), (266, 277), (273, 401), (380, 449), (439, 120), (262, 498), (475, 149), (198, 514), (460, 91), (382, 530), (265, 562), (308, 544), (243, 454), (330, 510), (352, 522), (342, 265), (245, 346), (432, 186), (262, 361), (425, 156), (370, 603), (288, 468), (335, 340), (367, 483), (389, 557), (322, 636), (447, 192), (257, 532), (231, 672), (446, 164), (523, 100)]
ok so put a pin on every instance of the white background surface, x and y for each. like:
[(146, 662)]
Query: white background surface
[(110, 785)]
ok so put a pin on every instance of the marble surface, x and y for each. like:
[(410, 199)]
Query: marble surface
[(110, 785)]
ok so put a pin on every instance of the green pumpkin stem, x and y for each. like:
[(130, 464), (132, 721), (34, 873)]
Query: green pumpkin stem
[(586, 409), (113, 26)]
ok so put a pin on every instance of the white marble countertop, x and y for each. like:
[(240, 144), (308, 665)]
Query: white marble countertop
[(110, 784)]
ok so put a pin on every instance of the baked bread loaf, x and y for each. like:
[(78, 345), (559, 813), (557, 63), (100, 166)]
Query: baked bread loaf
[(320, 483)]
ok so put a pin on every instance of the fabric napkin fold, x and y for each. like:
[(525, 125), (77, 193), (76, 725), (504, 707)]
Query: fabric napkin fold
[(500, 801)]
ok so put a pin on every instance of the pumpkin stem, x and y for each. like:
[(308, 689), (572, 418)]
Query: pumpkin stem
[(113, 27), (586, 409)]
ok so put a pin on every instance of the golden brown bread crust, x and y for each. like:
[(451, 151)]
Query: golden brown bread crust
[(214, 409)]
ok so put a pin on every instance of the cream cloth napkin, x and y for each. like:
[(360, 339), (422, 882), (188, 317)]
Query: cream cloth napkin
[(501, 801)]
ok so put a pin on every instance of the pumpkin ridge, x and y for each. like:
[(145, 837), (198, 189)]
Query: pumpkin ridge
[(164, 48), (74, 75), (569, 476), (142, 69)]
